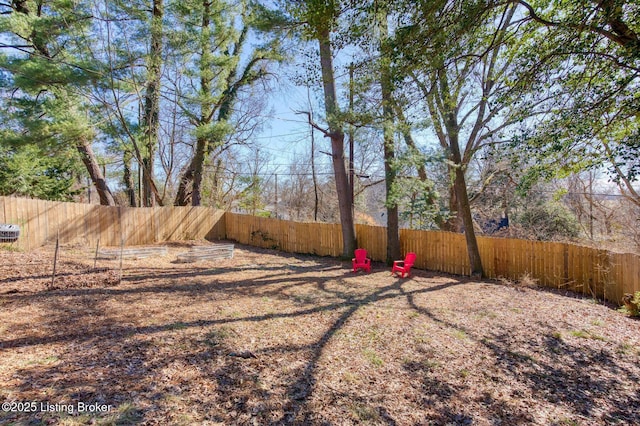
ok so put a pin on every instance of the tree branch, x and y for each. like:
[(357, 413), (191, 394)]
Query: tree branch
[(327, 133), (623, 41)]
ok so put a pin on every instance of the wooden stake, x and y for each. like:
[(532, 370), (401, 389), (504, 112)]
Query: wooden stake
[(55, 259), (95, 258), (121, 250)]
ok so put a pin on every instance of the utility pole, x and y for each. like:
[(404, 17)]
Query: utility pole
[(139, 185), (351, 136), (591, 204), (313, 160)]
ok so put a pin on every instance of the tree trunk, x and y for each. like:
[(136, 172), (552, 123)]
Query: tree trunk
[(197, 163), (152, 104), (337, 143), (89, 159), (464, 207), (183, 196), (215, 190), (454, 222), (198, 169), (386, 86), (127, 179)]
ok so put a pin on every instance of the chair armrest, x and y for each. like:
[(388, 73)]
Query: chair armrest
[(398, 262)]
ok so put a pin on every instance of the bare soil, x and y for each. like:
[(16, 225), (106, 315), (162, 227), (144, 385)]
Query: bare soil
[(272, 338)]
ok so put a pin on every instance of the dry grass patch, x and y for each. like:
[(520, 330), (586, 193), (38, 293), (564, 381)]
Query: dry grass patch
[(271, 338)]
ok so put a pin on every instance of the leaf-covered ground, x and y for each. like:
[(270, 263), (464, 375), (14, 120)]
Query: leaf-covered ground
[(271, 338)]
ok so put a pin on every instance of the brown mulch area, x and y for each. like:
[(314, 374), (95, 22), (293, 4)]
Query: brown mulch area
[(274, 338)]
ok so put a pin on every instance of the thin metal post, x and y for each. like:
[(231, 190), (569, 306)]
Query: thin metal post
[(95, 258), (55, 259), (121, 252)]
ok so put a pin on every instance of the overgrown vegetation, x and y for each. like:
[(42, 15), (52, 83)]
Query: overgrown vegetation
[(549, 221)]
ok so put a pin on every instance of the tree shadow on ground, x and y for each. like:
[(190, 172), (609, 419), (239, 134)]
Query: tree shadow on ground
[(190, 370), (571, 376), (103, 360), (574, 378)]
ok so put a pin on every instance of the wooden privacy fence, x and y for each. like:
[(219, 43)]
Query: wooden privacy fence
[(43, 221), (322, 239), (590, 271), (558, 265)]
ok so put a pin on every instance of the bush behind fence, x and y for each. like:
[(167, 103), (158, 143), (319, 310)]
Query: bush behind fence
[(590, 271)]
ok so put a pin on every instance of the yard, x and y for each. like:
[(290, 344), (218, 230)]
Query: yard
[(274, 338)]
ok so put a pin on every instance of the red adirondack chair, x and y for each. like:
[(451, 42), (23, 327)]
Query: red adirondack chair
[(361, 261), (404, 266)]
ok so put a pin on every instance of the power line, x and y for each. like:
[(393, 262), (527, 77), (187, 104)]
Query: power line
[(298, 133), (597, 194)]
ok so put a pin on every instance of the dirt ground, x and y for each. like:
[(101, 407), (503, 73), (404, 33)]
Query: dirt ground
[(272, 338)]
